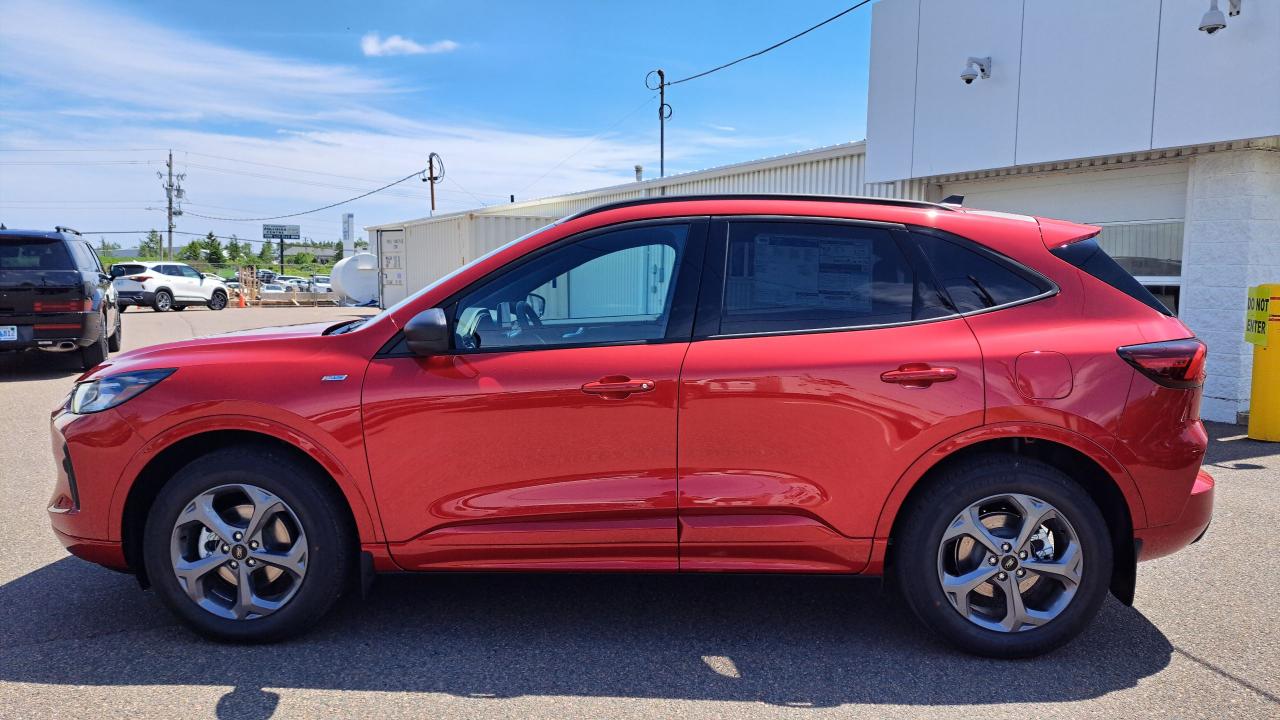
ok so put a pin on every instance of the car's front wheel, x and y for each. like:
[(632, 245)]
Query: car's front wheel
[(1004, 556), (218, 300), (247, 544)]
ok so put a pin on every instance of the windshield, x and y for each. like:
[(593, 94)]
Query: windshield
[(411, 298)]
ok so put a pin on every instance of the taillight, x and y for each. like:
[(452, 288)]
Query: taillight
[(47, 306), (1172, 363), (139, 278)]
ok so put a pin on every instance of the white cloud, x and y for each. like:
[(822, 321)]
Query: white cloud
[(85, 76), (374, 46)]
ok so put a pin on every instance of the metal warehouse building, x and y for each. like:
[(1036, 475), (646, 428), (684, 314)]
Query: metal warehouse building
[(1166, 136)]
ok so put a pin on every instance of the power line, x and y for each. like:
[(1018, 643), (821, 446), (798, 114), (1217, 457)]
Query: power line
[(589, 142), (316, 210), (774, 46)]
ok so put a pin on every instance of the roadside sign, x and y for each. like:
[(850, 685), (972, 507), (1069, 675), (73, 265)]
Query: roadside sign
[(281, 232), (1259, 310)]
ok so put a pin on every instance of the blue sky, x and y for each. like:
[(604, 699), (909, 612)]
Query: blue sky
[(330, 99)]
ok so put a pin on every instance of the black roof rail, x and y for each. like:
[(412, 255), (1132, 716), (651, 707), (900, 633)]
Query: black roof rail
[(897, 202), (64, 228)]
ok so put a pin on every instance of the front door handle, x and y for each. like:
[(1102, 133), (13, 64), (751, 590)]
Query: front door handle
[(617, 387), (919, 375)]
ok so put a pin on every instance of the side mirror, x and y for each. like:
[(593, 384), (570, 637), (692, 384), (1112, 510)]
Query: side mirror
[(428, 333), (538, 303)]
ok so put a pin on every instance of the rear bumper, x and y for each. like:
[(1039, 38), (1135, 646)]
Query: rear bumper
[(134, 297), (48, 331), (1155, 542)]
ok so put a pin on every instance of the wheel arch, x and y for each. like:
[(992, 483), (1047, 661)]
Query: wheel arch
[(168, 458), (1101, 476)]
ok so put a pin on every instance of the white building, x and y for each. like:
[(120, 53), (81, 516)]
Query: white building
[(1119, 114)]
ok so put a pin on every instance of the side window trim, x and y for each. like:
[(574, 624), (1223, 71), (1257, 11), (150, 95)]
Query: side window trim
[(683, 303), (711, 297)]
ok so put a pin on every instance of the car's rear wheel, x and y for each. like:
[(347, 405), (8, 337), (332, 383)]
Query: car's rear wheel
[(1004, 556), (247, 545), (218, 300), (163, 301), (94, 354), (117, 335)]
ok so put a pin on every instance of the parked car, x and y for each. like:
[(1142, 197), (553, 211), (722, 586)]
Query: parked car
[(320, 284), (55, 296), (266, 275), (290, 280), (166, 285), (267, 290), (983, 406)]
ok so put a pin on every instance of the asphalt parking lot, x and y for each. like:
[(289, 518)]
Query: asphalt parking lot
[(79, 641)]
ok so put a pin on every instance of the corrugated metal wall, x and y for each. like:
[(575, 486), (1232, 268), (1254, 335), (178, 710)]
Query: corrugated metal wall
[(437, 246)]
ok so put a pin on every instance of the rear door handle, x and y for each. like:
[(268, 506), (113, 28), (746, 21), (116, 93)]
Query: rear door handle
[(919, 375), (618, 386)]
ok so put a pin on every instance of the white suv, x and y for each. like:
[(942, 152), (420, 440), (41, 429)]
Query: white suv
[(164, 286)]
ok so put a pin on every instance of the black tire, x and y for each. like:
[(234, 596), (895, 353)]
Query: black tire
[(114, 340), (331, 546), (218, 300), (93, 355), (163, 301), (918, 543)]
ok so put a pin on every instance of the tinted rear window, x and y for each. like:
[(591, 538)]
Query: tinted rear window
[(799, 276), (1091, 258), (19, 253), (977, 279), (122, 270)]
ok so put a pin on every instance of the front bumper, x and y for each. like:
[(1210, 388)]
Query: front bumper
[(88, 452), (1191, 525)]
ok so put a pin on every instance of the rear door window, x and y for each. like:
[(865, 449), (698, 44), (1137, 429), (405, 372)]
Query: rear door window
[(123, 270), (976, 278), (34, 253), (785, 276)]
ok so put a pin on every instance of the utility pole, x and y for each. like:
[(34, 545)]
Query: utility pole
[(432, 160), (172, 191), (664, 114)]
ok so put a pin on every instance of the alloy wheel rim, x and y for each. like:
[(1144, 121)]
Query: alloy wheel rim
[(238, 552), (163, 301), (1010, 563), (219, 300)]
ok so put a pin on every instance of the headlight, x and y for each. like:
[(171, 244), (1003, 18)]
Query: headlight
[(108, 392)]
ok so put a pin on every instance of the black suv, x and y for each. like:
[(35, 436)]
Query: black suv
[(55, 296)]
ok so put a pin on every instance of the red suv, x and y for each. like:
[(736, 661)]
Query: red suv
[(984, 406)]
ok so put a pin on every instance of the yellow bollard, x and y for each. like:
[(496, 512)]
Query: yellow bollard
[(1263, 330)]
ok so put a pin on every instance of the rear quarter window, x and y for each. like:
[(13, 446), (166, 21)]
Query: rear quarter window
[(976, 278), (1091, 258)]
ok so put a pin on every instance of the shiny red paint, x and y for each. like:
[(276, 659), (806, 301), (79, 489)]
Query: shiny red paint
[(783, 452)]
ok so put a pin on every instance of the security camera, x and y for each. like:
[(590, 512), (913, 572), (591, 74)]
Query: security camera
[(976, 68), (1214, 20)]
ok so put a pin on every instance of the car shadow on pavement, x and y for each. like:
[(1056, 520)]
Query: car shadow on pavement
[(38, 365), (783, 640)]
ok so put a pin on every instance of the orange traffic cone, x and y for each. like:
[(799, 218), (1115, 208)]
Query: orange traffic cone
[(241, 296)]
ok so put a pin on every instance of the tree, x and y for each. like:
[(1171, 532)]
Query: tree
[(151, 247), (191, 252), (213, 250), (267, 254), (337, 254), (107, 248), (233, 250)]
